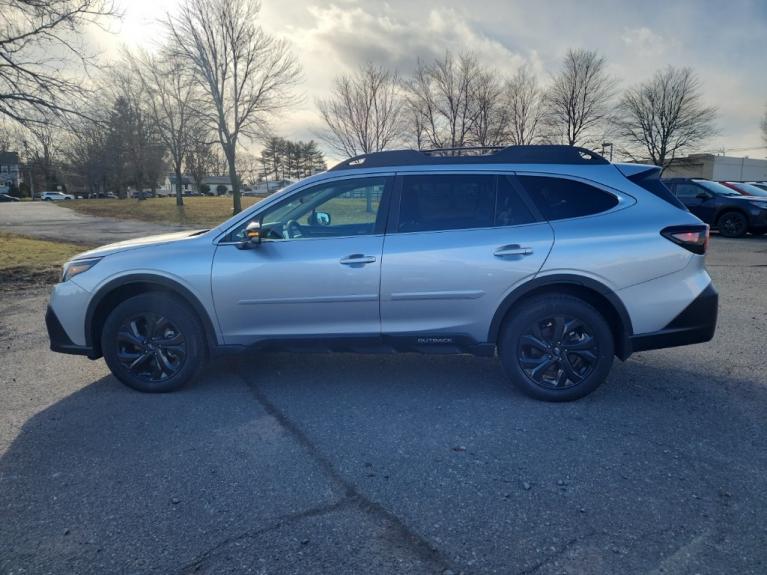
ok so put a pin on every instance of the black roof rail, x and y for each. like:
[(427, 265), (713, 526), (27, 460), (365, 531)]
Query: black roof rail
[(543, 154)]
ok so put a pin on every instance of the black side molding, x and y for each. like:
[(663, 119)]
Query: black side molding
[(60, 341), (695, 324)]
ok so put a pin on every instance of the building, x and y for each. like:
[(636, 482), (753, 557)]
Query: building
[(711, 167), (217, 184), (169, 185), (268, 187), (9, 171)]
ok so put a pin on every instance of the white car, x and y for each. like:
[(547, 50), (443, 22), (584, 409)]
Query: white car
[(55, 196)]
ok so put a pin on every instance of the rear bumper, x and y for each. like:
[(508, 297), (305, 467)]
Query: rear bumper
[(695, 324), (60, 341)]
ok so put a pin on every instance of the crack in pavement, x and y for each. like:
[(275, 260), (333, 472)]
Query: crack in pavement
[(195, 565), (422, 548)]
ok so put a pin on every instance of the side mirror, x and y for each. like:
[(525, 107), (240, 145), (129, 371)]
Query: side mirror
[(704, 196), (252, 236), (319, 219)]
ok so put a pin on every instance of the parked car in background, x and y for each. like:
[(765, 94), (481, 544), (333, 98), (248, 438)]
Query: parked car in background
[(55, 196), (746, 189), (760, 185), (549, 256), (8, 198), (722, 207)]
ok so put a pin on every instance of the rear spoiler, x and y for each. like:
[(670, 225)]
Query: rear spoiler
[(648, 177)]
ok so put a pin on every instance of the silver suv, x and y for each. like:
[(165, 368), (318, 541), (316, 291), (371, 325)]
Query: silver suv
[(548, 256)]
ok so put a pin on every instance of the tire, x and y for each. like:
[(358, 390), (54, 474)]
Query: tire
[(732, 224), (173, 352), (544, 370), (758, 232)]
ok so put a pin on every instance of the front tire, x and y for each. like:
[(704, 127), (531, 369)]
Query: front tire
[(732, 224), (556, 348), (153, 343)]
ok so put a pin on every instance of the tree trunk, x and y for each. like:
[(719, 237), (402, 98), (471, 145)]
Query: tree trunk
[(237, 203), (179, 194)]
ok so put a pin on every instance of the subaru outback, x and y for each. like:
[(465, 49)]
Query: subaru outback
[(549, 257)]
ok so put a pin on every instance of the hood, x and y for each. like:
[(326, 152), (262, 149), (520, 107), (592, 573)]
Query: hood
[(138, 243)]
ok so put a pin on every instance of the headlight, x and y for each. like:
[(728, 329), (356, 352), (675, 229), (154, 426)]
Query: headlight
[(71, 269)]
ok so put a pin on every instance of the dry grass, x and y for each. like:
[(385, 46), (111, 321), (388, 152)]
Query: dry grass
[(26, 262), (205, 212)]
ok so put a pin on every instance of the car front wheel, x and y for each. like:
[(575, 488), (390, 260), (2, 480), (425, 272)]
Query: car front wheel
[(556, 348), (153, 342)]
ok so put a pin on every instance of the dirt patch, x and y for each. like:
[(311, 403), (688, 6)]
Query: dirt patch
[(25, 277)]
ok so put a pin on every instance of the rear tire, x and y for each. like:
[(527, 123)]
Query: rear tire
[(153, 343), (556, 348), (732, 224)]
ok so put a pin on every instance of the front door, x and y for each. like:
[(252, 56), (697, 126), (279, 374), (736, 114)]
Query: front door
[(460, 243), (317, 271)]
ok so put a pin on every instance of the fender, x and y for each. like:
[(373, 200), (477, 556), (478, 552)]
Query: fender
[(156, 280), (623, 346)]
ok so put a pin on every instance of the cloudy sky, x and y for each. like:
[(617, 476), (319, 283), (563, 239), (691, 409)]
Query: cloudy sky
[(724, 41)]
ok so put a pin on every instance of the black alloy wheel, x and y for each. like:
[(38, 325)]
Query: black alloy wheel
[(151, 347), (558, 351), (733, 225), (153, 342), (556, 347)]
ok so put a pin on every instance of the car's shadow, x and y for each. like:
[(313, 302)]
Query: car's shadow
[(659, 459)]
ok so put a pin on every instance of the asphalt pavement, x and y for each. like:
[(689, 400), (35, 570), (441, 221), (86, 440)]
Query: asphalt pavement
[(47, 220), (286, 463)]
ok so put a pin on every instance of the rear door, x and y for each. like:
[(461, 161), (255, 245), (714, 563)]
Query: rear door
[(456, 244)]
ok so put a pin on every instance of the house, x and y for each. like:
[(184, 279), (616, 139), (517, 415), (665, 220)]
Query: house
[(217, 184), (169, 185), (9, 171), (269, 187), (711, 167)]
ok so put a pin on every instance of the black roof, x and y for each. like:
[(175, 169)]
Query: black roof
[(544, 154)]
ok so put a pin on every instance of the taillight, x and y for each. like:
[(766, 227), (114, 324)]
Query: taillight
[(692, 238)]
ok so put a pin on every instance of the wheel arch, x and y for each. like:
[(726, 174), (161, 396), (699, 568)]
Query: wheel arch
[(122, 288), (597, 294)]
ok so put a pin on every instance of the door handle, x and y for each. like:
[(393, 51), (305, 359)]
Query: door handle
[(356, 259), (513, 250)]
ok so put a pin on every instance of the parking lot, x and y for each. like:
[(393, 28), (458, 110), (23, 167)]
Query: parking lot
[(282, 463)]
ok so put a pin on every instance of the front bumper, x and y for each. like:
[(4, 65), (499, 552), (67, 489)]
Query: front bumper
[(60, 341), (695, 324)]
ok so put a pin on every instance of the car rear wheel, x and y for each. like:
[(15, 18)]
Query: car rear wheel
[(732, 225), (153, 343), (556, 348)]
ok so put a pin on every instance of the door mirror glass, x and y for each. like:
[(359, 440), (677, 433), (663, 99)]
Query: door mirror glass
[(319, 219)]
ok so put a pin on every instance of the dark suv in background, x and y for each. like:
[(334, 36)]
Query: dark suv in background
[(723, 208)]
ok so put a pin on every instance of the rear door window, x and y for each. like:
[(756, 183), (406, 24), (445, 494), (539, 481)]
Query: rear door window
[(561, 198), (459, 201)]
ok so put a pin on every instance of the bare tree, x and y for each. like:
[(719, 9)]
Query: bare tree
[(525, 107), (491, 126), (442, 97), (244, 73), (170, 95), (578, 100), (664, 115), (364, 112), (39, 40)]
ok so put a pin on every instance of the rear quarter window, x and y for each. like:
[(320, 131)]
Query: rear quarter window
[(561, 198)]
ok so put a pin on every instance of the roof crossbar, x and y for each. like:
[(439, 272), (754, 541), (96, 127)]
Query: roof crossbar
[(543, 154)]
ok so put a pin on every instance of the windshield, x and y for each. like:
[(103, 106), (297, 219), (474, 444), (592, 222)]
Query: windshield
[(750, 190), (717, 188)]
